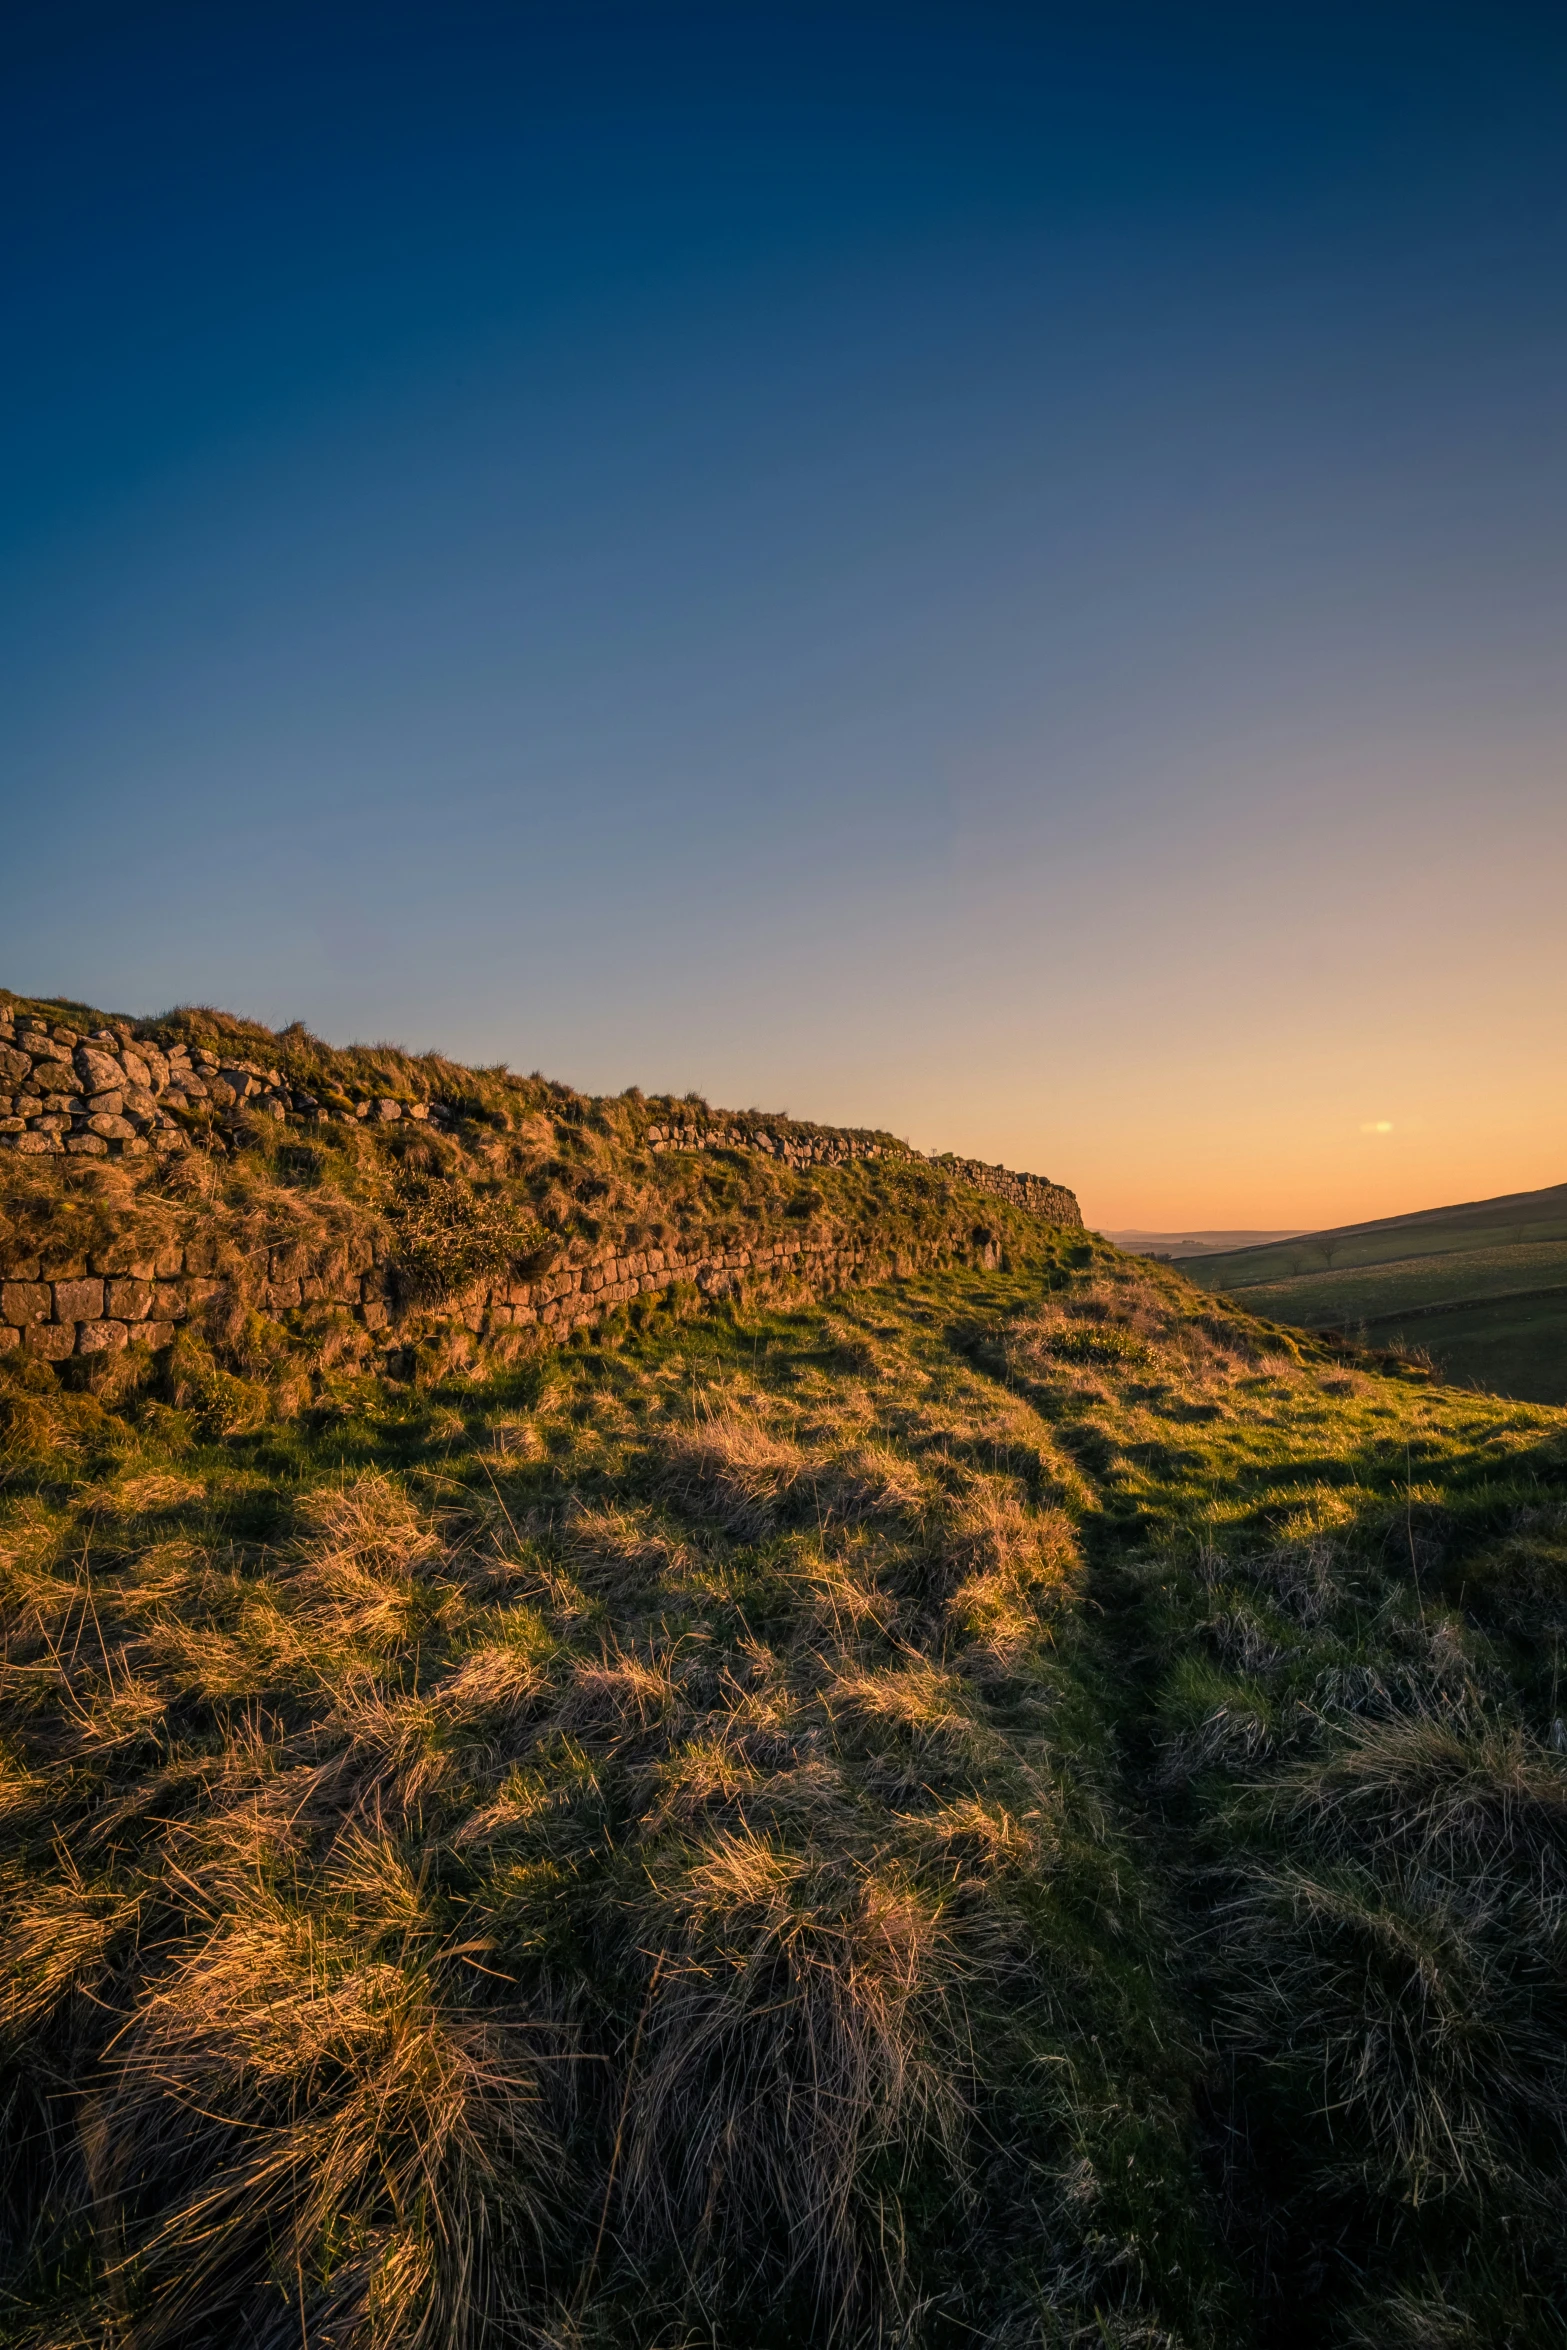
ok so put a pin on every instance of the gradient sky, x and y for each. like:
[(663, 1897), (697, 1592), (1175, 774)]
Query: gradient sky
[(998, 572)]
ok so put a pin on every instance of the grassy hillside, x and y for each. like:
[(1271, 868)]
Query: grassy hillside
[(1481, 1288), (1021, 1806)]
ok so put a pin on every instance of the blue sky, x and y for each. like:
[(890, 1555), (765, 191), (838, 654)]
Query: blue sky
[(993, 571)]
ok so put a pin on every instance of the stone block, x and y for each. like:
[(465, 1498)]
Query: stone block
[(53, 1341), (282, 1296), (78, 1301), (98, 1338), (376, 1317), (109, 1104), (8, 1338), (113, 1129), (26, 1301), (170, 1300), (58, 1266), (157, 1334), (14, 1066), (54, 1123), (128, 1300), (87, 1146), (122, 1256), (136, 1068)]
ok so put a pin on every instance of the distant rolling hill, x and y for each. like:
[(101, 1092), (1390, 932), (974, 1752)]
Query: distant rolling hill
[(1180, 1245), (1481, 1287)]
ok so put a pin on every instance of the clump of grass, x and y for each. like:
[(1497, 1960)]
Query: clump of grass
[(451, 1237)]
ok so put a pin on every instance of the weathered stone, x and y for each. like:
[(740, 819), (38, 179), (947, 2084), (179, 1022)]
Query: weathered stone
[(386, 1109), (96, 1338), (8, 1338), (136, 1068), (87, 1146), (53, 1341), (14, 1066), (109, 1104), (61, 1265), (52, 1122), (156, 1334), (99, 1071), (32, 1146), (123, 1256), (13, 1125), (26, 1301), (128, 1301), (78, 1301), (112, 1129), (139, 1103)]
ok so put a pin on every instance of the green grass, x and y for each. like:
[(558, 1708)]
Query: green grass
[(1499, 1260), (1378, 1292), (1022, 1807), (1518, 1220)]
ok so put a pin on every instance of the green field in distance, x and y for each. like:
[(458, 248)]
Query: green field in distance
[(1481, 1287)]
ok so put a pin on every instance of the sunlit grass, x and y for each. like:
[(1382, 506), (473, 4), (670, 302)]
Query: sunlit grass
[(1022, 1806)]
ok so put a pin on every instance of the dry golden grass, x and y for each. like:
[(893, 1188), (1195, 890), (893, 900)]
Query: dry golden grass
[(761, 1836)]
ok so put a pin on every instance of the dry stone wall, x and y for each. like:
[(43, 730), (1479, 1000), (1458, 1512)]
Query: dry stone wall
[(120, 1093), (1032, 1193), (795, 1146), (117, 1093), (93, 1304)]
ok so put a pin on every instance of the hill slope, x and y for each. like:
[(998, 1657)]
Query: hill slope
[(1481, 1288), (1018, 1803)]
